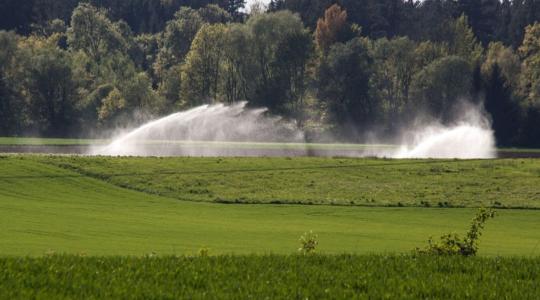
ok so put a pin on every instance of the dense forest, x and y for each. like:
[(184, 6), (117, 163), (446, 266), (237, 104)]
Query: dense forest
[(72, 67)]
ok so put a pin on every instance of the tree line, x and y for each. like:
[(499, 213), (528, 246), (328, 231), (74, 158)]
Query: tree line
[(342, 67)]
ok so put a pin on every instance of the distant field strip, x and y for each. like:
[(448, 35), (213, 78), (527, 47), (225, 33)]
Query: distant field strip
[(48, 142), (503, 183), (252, 145), (48, 209)]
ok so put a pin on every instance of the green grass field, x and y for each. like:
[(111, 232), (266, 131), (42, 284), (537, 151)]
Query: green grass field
[(511, 183), (269, 277), (95, 227), (45, 208)]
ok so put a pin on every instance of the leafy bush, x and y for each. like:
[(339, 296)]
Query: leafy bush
[(453, 244), (309, 242), (204, 252)]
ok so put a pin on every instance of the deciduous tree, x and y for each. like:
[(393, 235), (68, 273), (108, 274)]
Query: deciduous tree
[(441, 84), (332, 28), (344, 84), (203, 71)]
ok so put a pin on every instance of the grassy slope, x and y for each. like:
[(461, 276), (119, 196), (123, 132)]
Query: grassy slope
[(270, 277), (367, 182), (45, 208)]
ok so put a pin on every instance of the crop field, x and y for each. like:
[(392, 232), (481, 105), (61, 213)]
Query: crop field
[(270, 277), (102, 227)]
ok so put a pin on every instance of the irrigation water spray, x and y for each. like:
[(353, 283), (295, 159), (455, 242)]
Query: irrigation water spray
[(207, 130), (470, 136), (235, 130)]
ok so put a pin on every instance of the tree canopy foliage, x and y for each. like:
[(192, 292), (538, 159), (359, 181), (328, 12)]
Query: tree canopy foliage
[(68, 67)]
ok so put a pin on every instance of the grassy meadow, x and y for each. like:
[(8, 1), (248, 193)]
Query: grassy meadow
[(505, 183), (96, 227), (48, 207)]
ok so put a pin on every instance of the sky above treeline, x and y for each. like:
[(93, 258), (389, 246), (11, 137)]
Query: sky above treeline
[(249, 2)]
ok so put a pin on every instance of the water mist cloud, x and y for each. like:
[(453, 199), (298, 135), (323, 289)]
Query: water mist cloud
[(203, 131), (235, 130), (469, 137)]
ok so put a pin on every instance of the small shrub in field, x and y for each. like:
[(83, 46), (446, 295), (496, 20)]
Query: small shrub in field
[(309, 242), (453, 244), (204, 252)]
